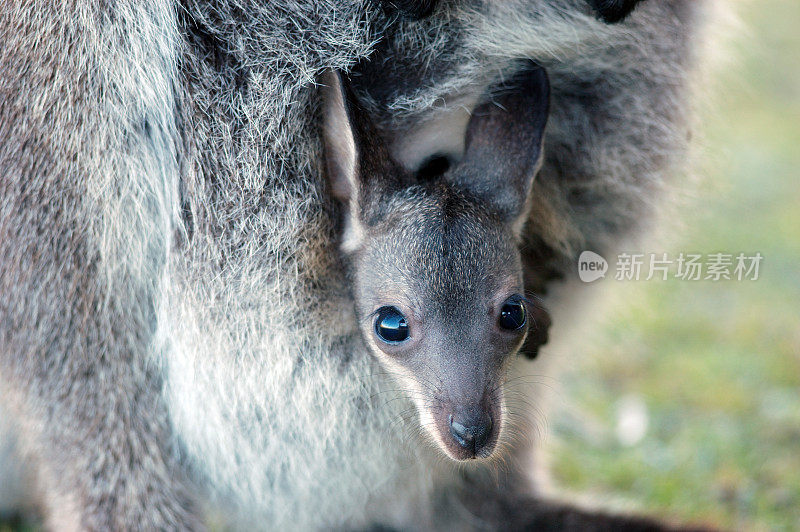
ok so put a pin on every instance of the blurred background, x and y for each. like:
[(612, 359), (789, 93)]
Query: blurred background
[(686, 400)]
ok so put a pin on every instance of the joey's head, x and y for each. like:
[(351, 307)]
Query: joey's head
[(433, 256)]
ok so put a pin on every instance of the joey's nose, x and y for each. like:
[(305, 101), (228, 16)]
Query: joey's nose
[(472, 431)]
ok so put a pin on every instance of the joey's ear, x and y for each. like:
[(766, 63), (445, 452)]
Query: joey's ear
[(503, 144), (341, 153), (357, 160)]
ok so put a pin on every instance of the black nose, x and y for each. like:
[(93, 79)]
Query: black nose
[(472, 431)]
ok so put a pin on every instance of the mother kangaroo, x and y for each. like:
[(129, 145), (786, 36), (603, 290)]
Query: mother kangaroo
[(177, 342)]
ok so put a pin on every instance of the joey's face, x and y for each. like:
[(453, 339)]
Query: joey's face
[(433, 258), (439, 299)]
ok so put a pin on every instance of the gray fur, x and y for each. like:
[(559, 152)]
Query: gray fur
[(175, 328)]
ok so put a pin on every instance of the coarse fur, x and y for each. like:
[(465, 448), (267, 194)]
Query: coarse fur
[(175, 329)]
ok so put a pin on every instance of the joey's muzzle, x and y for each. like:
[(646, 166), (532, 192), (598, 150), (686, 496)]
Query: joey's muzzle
[(469, 431)]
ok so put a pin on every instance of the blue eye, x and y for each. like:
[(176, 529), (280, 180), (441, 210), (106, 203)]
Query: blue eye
[(512, 315), (391, 326)]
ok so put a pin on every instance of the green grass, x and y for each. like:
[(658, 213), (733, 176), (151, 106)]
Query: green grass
[(717, 364)]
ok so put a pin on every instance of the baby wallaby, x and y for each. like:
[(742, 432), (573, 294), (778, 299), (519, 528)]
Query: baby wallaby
[(433, 256)]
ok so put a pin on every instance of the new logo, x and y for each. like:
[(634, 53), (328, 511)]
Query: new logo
[(591, 266)]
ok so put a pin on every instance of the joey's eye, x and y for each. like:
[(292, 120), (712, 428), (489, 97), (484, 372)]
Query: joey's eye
[(391, 325), (512, 315)]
